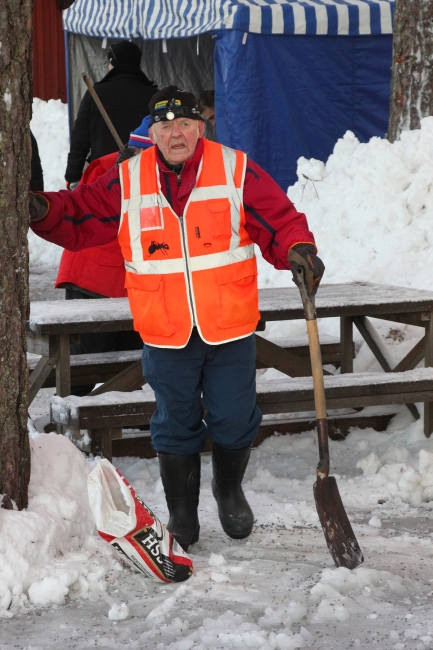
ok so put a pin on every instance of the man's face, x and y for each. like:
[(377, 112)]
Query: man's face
[(176, 139), (209, 114)]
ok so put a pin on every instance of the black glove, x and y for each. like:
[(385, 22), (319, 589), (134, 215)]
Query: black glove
[(305, 255), (127, 153), (38, 207)]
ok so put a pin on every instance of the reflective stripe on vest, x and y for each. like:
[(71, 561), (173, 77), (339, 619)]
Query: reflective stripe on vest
[(198, 268)]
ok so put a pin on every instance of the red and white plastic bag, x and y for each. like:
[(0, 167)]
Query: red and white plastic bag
[(125, 522)]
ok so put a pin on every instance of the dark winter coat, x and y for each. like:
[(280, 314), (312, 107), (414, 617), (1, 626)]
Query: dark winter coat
[(125, 93), (37, 176)]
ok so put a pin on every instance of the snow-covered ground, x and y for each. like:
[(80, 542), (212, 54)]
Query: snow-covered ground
[(63, 587)]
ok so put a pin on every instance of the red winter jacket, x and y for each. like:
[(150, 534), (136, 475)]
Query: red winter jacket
[(99, 269), (90, 215)]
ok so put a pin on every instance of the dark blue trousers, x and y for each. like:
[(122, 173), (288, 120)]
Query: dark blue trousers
[(226, 376)]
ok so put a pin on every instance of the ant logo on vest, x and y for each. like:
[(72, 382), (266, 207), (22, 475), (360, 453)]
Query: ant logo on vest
[(155, 246)]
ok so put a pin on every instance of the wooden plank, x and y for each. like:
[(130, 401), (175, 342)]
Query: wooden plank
[(101, 442), (273, 356), (128, 380), (348, 299), (412, 359), (94, 368), (299, 406), (362, 323), (39, 374), (44, 366), (419, 319), (346, 345), (330, 353), (63, 375), (46, 346), (282, 396), (338, 428)]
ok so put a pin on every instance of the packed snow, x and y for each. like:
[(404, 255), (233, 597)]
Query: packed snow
[(49, 125), (63, 586)]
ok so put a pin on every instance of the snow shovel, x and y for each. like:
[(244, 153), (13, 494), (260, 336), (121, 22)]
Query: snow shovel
[(336, 527)]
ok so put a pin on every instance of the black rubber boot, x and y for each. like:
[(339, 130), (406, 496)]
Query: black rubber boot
[(181, 480), (229, 467)]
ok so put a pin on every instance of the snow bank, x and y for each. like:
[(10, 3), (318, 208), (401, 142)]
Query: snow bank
[(52, 551), (49, 125), (370, 208)]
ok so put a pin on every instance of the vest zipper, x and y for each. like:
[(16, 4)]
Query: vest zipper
[(191, 302)]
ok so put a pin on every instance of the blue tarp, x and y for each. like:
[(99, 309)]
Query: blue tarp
[(282, 97)]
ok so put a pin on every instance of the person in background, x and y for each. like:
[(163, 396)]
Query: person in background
[(125, 93), (99, 272), (37, 175), (206, 106), (187, 213)]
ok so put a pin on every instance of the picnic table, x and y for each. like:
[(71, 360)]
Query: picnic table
[(54, 324)]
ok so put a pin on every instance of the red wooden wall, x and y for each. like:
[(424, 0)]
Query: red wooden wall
[(49, 71)]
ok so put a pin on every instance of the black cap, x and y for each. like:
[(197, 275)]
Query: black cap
[(124, 52), (170, 103)]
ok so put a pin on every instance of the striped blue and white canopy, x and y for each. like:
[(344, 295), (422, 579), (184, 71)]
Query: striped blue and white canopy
[(150, 19)]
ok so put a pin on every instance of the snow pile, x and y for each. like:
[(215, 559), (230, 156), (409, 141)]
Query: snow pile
[(397, 479), (232, 630), (370, 207), (49, 125), (51, 550), (374, 213)]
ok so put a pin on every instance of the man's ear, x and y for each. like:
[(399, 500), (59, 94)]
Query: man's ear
[(200, 128), (151, 135)]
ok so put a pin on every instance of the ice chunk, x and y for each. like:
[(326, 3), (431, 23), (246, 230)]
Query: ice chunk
[(118, 612), (370, 464)]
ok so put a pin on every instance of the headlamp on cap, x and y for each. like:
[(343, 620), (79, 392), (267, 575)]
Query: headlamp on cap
[(170, 109)]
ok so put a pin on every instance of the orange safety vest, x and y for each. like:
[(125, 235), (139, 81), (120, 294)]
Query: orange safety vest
[(199, 268)]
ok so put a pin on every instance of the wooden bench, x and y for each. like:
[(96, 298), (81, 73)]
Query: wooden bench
[(105, 415), (92, 368), (102, 367)]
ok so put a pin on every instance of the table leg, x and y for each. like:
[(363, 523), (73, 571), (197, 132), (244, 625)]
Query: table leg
[(101, 441), (63, 371), (346, 344), (428, 406)]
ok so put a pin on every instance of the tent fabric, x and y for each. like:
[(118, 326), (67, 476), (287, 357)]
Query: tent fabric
[(178, 63), (165, 19), (281, 98)]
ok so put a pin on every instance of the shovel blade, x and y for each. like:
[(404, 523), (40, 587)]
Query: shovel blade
[(336, 527)]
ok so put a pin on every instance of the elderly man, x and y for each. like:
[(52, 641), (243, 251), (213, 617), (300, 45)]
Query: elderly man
[(187, 213)]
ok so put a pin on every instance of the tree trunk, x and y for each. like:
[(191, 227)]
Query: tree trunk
[(15, 111), (412, 66)]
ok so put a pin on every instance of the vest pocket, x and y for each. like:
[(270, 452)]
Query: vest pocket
[(147, 301), (238, 294), (220, 217)]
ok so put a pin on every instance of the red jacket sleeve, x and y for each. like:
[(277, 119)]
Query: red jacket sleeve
[(88, 216), (272, 221)]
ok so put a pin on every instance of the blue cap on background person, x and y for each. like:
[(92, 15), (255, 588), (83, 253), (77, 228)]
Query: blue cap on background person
[(140, 137)]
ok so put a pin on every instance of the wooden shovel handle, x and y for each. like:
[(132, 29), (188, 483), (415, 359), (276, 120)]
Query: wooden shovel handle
[(316, 365), (317, 370)]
